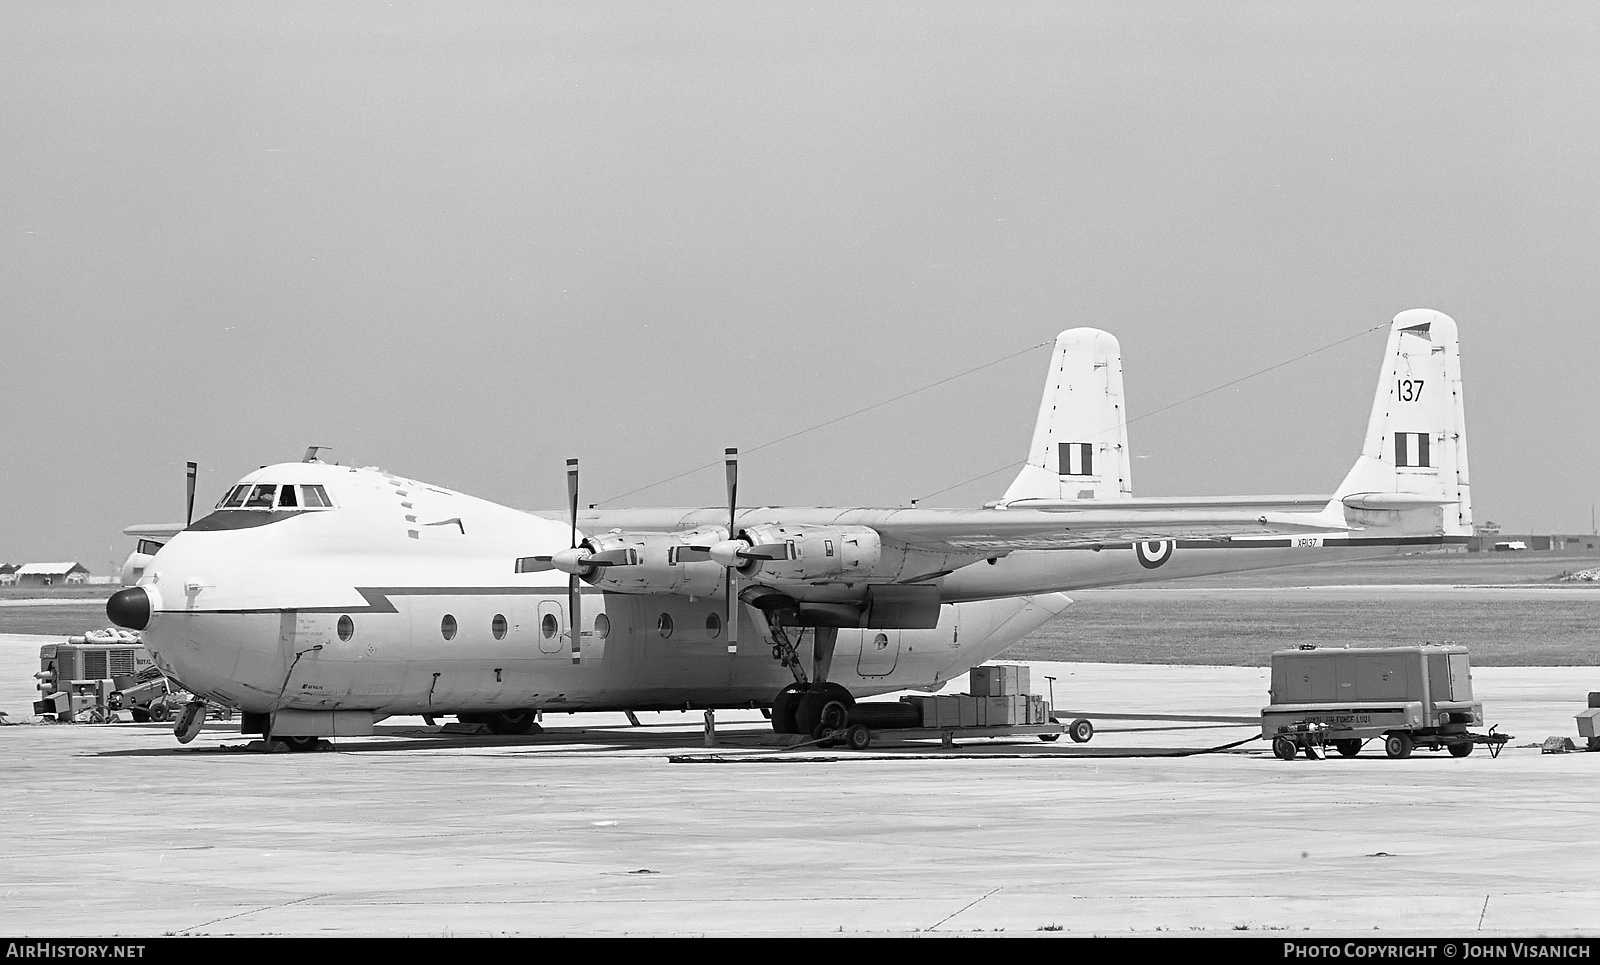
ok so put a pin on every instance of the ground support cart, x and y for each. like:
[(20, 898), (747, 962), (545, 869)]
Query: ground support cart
[(1294, 731), (1407, 697)]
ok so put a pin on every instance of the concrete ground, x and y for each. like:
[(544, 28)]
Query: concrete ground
[(599, 828)]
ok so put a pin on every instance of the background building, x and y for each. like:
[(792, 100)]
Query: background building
[(51, 574)]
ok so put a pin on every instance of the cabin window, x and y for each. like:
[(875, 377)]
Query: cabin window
[(602, 626), (497, 626), (347, 628), (664, 625), (261, 498), (713, 626), (447, 627), (548, 626)]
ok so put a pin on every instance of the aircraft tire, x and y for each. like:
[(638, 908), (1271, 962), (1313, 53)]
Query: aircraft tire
[(511, 723), (808, 714), (1347, 748), (299, 744), (783, 707)]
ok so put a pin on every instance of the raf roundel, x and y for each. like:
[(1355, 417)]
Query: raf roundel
[(1154, 552)]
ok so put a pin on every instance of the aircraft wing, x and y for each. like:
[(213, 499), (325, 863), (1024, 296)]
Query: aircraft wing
[(997, 531), (1006, 530)]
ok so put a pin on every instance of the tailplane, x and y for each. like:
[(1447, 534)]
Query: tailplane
[(1080, 441), (1412, 472)]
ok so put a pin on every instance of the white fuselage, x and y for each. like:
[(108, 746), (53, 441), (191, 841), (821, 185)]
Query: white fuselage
[(248, 608)]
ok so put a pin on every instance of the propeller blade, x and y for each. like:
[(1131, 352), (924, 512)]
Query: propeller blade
[(731, 469), (769, 551), (189, 515), (575, 605), (533, 564), (733, 611), (572, 497), (574, 582)]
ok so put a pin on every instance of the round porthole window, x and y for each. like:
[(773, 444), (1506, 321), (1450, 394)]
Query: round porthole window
[(447, 627), (881, 641), (713, 626), (497, 626), (347, 628), (602, 626), (548, 626), (664, 626)]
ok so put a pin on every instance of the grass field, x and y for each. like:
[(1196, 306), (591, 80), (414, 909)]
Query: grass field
[(1253, 615)]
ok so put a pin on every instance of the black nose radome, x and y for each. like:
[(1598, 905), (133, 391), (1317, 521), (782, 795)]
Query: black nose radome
[(129, 608)]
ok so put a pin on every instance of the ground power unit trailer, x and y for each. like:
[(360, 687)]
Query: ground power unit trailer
[(1408, 697)]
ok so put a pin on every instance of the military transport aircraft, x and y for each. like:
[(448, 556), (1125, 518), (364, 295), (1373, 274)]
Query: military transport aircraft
[(319, 599)]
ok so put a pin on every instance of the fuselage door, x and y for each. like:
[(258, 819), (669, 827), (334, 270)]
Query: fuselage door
[(880, 650), (552, 627)]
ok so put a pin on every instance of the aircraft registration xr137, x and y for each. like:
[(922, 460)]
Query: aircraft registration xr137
[(319, 599)]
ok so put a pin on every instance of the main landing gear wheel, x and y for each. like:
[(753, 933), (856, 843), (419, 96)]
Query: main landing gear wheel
[(784, 706), (1347, 748), (1398, 745), (511, 723), (1284, 749), (1081, 731), (820, 700), (1460, 750), (299, 744)]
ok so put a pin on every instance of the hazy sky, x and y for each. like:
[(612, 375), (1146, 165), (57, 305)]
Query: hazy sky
[(465, 241)]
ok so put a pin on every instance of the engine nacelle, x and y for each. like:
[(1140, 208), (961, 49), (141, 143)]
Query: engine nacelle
[(655, 567), (817, 552)]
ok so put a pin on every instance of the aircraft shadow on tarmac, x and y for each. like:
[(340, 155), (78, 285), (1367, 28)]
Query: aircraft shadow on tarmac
[(753, 744)]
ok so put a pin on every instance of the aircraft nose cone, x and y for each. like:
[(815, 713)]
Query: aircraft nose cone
[(129, 608)]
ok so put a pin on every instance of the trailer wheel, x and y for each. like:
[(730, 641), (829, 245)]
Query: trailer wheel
[(1049, 738), (1347, 748), (1284, 749), (1081, 731), (141, 716), (859, 738), (1460, 750), (1398, 745)]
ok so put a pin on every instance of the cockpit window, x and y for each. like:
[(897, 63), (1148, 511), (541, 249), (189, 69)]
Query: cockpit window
[(275, 496), (261, 497)]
